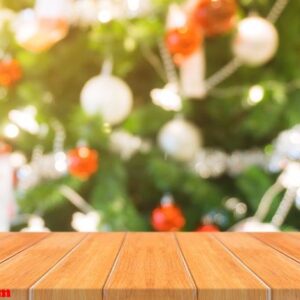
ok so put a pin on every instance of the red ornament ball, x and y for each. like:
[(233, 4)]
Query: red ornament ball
[(167, 217), (10, 72), (215, 16), (5, 148), (208, 228), (83, 162), (183, 41)]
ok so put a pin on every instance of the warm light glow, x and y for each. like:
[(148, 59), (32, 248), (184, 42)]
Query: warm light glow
[(107, 128), (11, 131), (176, 17), (61, 164), (134, 5), (84, 152), (295, 138), (256, 95), (105, 16), (18, 159)]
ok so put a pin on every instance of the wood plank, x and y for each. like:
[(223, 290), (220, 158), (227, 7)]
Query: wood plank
[(81, 274), (21, 271), (217, 273), (150, 266), (287, 243), (4, 235), (13, 243), (274, 268)]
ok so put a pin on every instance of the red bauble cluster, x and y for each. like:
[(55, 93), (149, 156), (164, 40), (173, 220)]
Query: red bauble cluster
[(182, 42), (215, 16), (208, 228), (167, 217), (10, 72), (83, 162), (207, 18)]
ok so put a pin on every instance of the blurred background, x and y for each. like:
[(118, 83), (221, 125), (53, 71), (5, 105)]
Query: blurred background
[(142, 115)]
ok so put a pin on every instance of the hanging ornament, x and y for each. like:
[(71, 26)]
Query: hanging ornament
[(208, 228), (192, 74), (285, 157), (35, 224), (182, 37), (254, 225), (192, 61), (215, 16), (288, 181), (83, 162), (256, 41), (167, 98), (183, 41), (108, 96), (10, 72), (167, 217), (86, 222), (180, 139), (40, 28)]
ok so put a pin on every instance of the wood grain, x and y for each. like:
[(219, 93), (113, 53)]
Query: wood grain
[(144, 266), (150, 266), (81, 274), (278, 271), (13, 243), (21, 271), (288, 243), (217, 273)]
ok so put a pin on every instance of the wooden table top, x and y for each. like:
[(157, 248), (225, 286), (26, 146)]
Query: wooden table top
[(150, 266)]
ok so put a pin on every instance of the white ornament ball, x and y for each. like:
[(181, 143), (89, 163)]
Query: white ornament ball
[(180, 139), (256, 41), (108, 96)]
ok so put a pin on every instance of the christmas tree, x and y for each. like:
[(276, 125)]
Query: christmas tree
[(149, 115)]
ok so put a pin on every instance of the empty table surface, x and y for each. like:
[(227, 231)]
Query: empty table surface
[(150, 266)]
